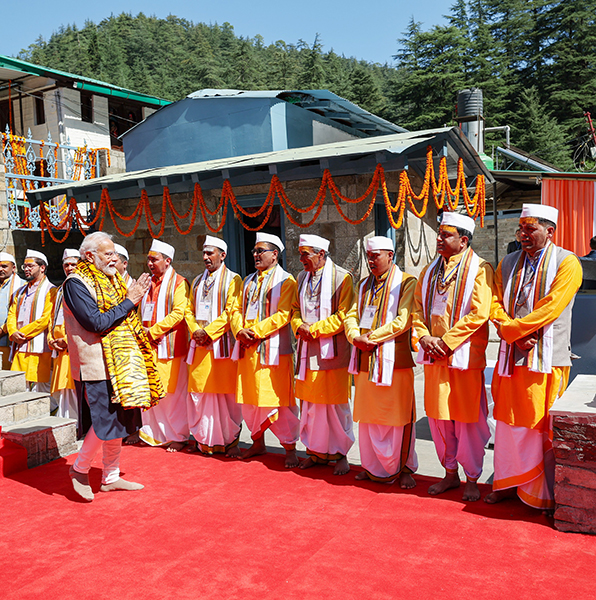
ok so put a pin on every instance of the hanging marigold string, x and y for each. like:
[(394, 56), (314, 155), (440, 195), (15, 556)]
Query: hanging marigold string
[(441, 193)]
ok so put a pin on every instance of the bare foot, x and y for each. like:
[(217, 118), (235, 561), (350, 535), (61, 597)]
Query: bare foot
[(361, 476), (449, 482), (406, 481), (175, 446), (233, 452), (132, 439), (500, 495), (342, 466), (291, 459), (471, 492), (308, 463), (192, 447), (258, 447)]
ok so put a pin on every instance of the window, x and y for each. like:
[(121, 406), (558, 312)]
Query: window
[(86, 107), (40, 113)]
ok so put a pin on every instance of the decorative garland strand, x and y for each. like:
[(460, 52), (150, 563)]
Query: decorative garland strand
[(441, 193)]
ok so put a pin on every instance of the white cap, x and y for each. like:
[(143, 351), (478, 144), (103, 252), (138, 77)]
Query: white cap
[(270, 239), (121, 250), (379, 242), (36, 254), (540, 211), (6, 257), (456, 220), (314, 241), (162, 247), (216, 242), (70, 253)]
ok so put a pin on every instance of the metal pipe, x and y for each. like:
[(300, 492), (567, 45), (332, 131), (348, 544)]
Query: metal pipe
[(505, 128)]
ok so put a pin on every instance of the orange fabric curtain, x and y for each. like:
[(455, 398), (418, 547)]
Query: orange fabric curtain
[(575, 201)]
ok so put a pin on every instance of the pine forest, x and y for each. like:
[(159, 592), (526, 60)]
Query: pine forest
[(535, 61)]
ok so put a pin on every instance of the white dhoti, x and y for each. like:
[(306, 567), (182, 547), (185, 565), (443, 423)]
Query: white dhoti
[(387, 450), (43, 387), (283, 422), (524, 459), (327, 430), (168, 421), (462, 444), (214, 421), (65, 404)]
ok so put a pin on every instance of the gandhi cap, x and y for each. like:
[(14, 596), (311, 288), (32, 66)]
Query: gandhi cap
[(36, 254), (540, 211), (379, 242), (269, 238), (457, 220), (121, 250), (6, 257), (70, 253), (211, 240), (166, 249), (314, 241)]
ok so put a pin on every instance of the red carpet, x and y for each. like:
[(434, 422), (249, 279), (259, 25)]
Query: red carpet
[(218, 529)]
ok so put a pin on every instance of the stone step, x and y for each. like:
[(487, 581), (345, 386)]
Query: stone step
[(44, 439), (12, 382), (23, 407)]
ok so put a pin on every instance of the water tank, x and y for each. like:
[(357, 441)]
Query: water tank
[(469, 103)]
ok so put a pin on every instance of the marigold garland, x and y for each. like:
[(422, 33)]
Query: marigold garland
[(440, 191)]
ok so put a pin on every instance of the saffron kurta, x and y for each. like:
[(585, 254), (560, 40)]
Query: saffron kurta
[(61, 375), (36, 365), (386, 405), (449, 393), (525, 398), (206, 375), (323, 385), (266, 385)]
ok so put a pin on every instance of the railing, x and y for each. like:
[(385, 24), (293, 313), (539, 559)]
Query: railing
[(31, 164)]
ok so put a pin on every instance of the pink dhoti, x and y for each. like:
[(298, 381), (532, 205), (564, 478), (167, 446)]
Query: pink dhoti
[(524, 459), (215, 421), (387, 450), (282, 420), (462, 444), (168, 421), (326, 430)]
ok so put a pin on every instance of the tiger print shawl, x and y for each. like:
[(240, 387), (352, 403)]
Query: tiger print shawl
[(127, 351)]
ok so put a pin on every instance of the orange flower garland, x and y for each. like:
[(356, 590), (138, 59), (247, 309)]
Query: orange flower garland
[(441, 193)]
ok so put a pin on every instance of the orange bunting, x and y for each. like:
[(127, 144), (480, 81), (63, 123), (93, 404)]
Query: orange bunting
[(442, 194)]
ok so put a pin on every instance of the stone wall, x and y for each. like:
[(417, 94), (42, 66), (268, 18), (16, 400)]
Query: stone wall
[(574, 444), (484, 237)]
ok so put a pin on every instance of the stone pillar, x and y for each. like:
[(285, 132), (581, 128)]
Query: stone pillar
[(574, 444)]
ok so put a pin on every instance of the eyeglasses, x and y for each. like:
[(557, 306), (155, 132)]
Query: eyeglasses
[(29, 266), (259, 251)]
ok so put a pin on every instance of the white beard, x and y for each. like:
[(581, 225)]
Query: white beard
[(103, 266)]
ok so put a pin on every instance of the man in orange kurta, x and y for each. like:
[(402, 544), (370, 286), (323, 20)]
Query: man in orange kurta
[(64, 396), (533, 298), (162, 312), (215, 418), (261, 325), (28, 320), (452, 305), (378, 327)]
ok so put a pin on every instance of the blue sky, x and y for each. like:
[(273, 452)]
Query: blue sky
[(366, 30)]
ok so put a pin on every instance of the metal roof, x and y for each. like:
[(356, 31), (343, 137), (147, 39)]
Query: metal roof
[(13, 69), (394, 152), (322, 102)]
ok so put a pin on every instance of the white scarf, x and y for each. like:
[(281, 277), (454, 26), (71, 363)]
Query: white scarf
[(218, 350), (460, 358), (547, 340), (325, 311), (160, 309), (388, 347), (269, 350)]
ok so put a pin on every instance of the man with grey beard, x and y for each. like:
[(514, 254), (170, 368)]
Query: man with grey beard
[(111, 360)]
